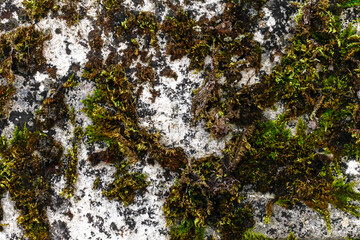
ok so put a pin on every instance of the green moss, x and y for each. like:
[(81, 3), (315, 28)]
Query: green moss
[(348, 3), (206, 195), (28, 161), (38, 9), (294, 170), (125, 185), (318, 77), (249, 235), (187, 230), (113, 112)]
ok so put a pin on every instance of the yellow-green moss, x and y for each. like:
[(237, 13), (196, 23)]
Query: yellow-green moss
[(38, 9)]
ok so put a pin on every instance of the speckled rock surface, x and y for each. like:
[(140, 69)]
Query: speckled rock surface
[(89, 214)]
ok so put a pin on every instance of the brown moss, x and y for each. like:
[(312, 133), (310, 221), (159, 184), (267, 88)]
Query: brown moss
[(53, 110), (6, 93), (29, 163), (21, 50)]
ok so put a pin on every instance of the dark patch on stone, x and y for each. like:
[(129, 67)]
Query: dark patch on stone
[(69, 214), (60, 230), (90, 218), (114, 227), (67, 49), (21, 118), (272, 231), (130, 223)]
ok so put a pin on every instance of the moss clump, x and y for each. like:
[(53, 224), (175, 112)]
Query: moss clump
[(71, 13), (125, 185), (71, 172), (294, 169), (28, 161), (227, 41), (206, 195), (187, 230), (113, 112), (348, 3), (319, 78), (6, 92), (21, 50), (53, 109), (38, 9)]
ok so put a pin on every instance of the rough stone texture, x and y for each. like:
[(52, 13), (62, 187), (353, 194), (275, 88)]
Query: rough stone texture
[(90, 215)]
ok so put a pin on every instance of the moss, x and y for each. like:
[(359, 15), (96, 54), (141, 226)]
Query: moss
[(249, 235), (113, 112), (53, 109), (348, 3), (70, 12), (21, 50), (71, 172), (38, 9), (206, 195), (6, 93), (28, 162), (232, 49), (316, 78), (187, 230), (125, 185), (285, 165)]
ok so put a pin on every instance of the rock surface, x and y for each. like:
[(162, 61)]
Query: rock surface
[(88, 214)]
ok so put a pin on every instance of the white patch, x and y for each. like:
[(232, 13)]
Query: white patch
[(18, 3), (259, 37), (172, 106), (202, 8), (55, 49), (353, 168), (272, 114), (10, 215), (270, 22), (249, 77), (41, 78)]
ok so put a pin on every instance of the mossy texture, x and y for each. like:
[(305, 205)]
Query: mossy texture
[(28, 161), (38, 9), (112, 109), (21, 50), (317, 81)]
